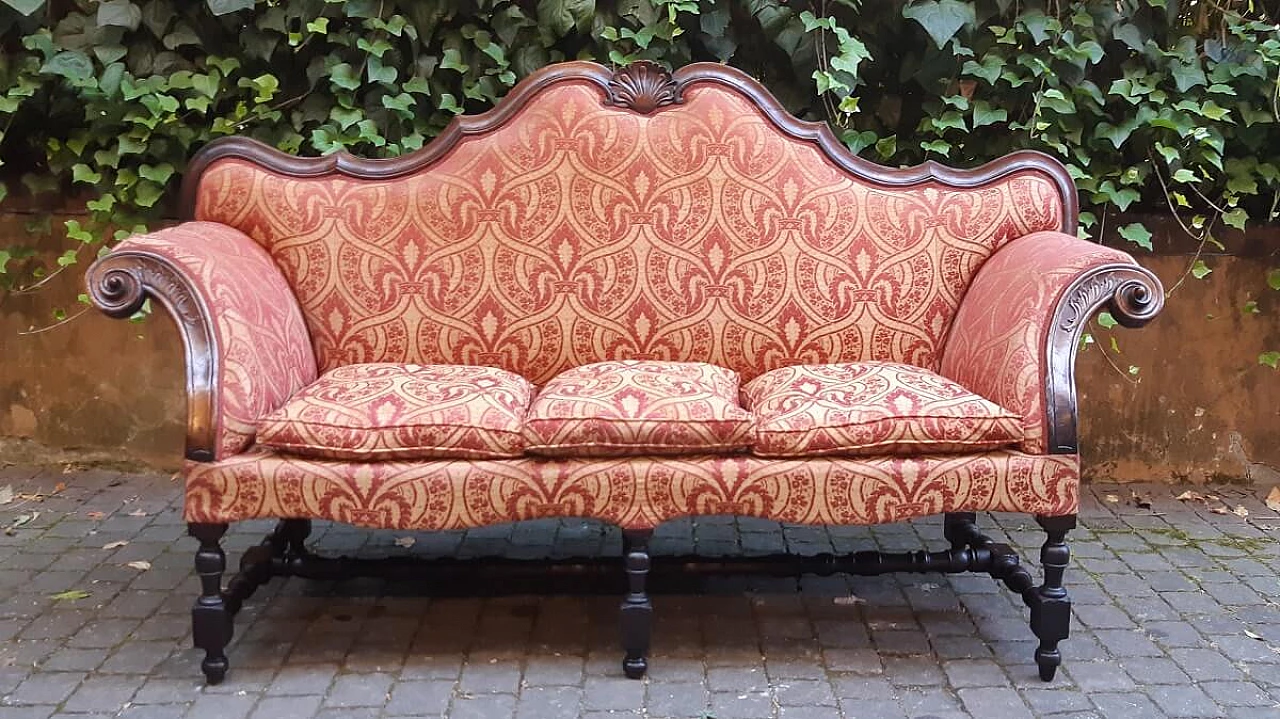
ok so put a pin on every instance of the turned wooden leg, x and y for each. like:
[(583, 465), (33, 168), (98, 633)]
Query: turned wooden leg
[(958, 527), (637, 612), (295, 533), (210, 620), (1050, 605)]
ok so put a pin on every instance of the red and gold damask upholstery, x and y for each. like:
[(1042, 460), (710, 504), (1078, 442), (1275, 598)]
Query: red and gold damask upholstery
[(262, 351), (577, 232), (871, 408), (631, 407), (998, 344), (373, 412), (633, 492)]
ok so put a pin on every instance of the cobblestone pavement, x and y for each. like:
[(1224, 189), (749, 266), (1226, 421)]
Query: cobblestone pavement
[(1177, 615)]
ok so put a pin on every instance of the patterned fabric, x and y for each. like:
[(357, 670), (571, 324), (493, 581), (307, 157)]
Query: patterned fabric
[(871, 408), (388, 411), (635, 492), (261, 352), (997, 346), (578, 233), (632, 407)]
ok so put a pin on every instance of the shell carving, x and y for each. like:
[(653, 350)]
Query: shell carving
[(644, 87)]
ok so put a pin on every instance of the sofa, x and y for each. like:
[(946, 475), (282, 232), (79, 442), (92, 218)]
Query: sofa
[(628, 295)]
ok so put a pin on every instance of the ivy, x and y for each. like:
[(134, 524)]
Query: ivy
[(1153, 106)]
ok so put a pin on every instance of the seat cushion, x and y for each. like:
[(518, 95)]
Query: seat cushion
[(403, 411), (638, 407), (871, 408)]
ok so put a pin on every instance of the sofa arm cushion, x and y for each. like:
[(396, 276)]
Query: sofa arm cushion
[(1015, 334), (247, 347)]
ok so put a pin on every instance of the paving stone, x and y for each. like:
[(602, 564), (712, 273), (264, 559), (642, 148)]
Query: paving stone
[(539, 702), (994, 701), (1183, 701), (686, 699), (103, 693), (613, 693), (419, 698), (46, 688), (484, 706), (221, 707), (359, 690)]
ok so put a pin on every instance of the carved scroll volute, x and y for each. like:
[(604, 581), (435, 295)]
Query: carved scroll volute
[(1133, 296), (119, 283), (644, 87)]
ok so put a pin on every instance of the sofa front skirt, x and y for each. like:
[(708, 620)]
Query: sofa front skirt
[(632, 492)]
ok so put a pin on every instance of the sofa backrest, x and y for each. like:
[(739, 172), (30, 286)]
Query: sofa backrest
[(597, 215)]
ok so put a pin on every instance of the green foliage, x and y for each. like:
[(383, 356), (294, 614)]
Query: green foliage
[(1152, 104)]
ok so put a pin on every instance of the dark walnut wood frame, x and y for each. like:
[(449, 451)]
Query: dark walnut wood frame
[(120, 282)]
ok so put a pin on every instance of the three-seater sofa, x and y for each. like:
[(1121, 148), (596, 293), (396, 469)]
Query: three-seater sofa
[(627, 295)]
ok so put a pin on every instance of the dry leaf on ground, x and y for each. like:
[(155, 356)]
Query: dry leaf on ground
[(139, 565), (60, 486), (1240, 511), (6, 494), (1253, 635), (1219, 509), (137, 513), (1273, 499), (1189, 496), (849, 600), (1112, 498), (405, 542), (70, 594), (94, 515), (115, 545)]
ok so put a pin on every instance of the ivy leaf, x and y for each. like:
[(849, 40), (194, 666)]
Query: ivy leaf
[(1236, 218), (81, 172), (379, 72), (1185, 176), (119, 13), (452, 60), (71, 64), (1273, 280), (158, 174), (1200, 270), (1187, 76), (344, 76), (1138, 234), (1106, 321), (989, 69), (1130, 35), (942, 19), (561, 16), (942, 147), (1269, 359), (223, 7), (4, 260)]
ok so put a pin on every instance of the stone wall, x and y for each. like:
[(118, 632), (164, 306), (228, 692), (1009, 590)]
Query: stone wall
[(1200, 407)]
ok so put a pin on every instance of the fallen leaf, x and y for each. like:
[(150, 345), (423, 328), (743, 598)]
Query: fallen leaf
[(137, 513), (1273, 499), (1189, 496), (141, 566), (1112, 498), (6, 494), (1240, 511), (849, 600), (70, 595), (115, 545), (405, 542), (1139, 501), (94, 515), (1253, 635), (1219, 509), (60, 486), (20, 520)]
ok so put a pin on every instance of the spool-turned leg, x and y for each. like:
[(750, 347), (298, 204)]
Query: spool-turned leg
[(958, 527), (210, 620), (1050, 605), (637, 611)]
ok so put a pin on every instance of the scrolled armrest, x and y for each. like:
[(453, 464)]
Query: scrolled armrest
[(1016, 333), (247, 347)]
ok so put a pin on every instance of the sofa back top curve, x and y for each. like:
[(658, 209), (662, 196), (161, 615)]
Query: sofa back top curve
[(597, 215)]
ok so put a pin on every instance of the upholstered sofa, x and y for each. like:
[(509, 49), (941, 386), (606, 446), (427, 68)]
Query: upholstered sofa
[(631, 296)]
